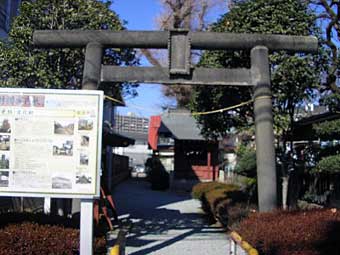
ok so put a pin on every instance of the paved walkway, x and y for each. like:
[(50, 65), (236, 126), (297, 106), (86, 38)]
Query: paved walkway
[(166, 222)]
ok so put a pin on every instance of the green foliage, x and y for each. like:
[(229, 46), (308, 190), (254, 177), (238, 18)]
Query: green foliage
[(158, 176), (332, 101), (225, 203), (294, 77), (203, 187), (327, 129), (330, 164), (246, 161), (23, 65)]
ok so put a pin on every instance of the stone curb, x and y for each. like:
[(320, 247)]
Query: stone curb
[(250, 250)]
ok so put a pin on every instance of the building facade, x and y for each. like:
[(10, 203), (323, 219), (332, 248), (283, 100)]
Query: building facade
[(176, 139), (135, 128), (131, 124)]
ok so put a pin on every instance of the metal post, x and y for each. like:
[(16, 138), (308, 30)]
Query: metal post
[(86, 227), (91, 78), (47, 205), (264, 135), (232, 247)]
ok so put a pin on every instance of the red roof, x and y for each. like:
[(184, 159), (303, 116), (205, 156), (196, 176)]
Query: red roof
[(155, 123)]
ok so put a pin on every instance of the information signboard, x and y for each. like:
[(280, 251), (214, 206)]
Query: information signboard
[(50, 142)]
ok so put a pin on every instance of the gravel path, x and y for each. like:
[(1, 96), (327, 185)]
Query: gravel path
[(166, 222)]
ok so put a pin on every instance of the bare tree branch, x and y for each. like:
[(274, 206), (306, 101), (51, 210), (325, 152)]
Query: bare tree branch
[(150, 57), (188, 14), (331, 16)]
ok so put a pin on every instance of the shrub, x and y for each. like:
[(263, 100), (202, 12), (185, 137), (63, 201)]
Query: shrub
[(212, 198), (330, 164), (230, 215), (27, 233), (246, 161), (222, 202), (201, 188), (312, 232), (31, 238), (158, 176)]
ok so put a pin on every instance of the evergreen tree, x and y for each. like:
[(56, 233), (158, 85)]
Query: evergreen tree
[(24, 65), (294, 77)]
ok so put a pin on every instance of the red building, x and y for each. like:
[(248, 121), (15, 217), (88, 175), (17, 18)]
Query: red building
[(185, 153)]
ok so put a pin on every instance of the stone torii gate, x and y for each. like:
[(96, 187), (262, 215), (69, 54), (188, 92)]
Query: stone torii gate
[(179, 44)]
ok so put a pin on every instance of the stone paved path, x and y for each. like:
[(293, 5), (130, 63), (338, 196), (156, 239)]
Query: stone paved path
[(166, 222)]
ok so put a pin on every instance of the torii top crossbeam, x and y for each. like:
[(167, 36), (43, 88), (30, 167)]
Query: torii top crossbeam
[(179, 43), (160, 39)]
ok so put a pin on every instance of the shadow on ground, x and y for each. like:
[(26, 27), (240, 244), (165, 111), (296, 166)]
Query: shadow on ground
[(163, 222)]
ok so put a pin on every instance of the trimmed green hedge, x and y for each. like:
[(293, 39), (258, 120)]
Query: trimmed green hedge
[(224, 203), (203, 187)]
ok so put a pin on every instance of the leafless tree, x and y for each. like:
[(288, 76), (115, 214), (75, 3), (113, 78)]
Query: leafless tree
[(186, 14), (329, 18)]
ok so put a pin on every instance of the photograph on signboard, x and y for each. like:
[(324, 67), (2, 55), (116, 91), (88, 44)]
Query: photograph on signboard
[(85, 141), (82, 178), (4, 177), (85, 124), (6, 100), (27, 101), (63, 148), (84, 159), (4, 161), (61, 182), (39, 101), (22, 100), (5, 125), (62, 127), (5, 142)]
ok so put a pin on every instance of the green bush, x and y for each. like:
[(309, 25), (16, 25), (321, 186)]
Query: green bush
[(230, 213), (246, 162), (158, 176), (203, 187), (330, 164), (213, 197), (225, 203), (220, 204)]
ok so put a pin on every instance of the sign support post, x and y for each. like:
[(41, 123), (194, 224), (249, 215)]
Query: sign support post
[(86, 226), (91, 78)]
